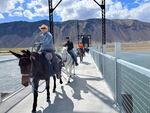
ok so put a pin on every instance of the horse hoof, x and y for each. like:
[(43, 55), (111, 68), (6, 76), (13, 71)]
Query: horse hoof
[(61, 82), (34, 111)]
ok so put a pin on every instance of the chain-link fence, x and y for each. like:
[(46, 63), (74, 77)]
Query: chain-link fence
[(129, 83)]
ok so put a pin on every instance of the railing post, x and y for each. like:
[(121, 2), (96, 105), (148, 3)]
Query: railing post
[(117, 85), (117, 49), (103, 60), (0, 98)]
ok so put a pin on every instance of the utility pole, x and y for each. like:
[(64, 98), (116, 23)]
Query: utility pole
[(102, 6), (51, 22)]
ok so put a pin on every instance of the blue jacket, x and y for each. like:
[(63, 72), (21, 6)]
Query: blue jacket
[(46, 42)]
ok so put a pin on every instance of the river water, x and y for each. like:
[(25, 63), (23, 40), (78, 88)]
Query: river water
[(10, 78), (138, 58)]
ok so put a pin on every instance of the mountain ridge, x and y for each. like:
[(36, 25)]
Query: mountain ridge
[(22, 33)]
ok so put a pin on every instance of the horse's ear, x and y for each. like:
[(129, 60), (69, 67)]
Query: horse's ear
[(28, 52), (23, 51), (16, 54)]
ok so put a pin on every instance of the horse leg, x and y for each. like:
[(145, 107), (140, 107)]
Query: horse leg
[(54, 88), (47, 88), (35, 95), (73, 69), (60, 81), (60, 68), (70, 73), (82, 57)]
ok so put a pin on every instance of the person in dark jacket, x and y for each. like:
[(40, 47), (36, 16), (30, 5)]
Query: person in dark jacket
[(70, 47)]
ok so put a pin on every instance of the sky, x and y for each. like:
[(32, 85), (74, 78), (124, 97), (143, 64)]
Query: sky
[(35, 10)]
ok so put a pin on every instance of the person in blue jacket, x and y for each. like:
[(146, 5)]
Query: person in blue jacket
[(45, 46), (46, 40)]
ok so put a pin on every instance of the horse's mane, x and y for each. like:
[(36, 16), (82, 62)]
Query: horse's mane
[(41, 63)]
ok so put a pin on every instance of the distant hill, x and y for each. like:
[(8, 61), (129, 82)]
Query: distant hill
[(22, 34)]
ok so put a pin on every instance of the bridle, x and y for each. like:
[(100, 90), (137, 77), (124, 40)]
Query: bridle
[(30, 75)]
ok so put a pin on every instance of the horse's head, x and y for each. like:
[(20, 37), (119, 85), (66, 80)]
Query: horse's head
[(64, 49), (64, 54), (25, 65)]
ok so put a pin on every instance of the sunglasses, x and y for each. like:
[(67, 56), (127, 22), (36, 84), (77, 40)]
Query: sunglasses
[(43, 28)]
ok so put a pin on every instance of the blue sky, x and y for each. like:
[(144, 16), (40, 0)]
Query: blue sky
[(34, 10)]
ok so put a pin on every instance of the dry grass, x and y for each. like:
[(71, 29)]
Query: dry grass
[(136, 46), (5, 51)]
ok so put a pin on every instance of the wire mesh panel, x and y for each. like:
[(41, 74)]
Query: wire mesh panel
[(106, 65), (109, 72), (134, 82), (97, 57)]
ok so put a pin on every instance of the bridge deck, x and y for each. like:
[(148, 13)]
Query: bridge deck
[(87, 93)]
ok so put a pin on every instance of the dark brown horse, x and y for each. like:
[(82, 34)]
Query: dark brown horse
[(36, 66)]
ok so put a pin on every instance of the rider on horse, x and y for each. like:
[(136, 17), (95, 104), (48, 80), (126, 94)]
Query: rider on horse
[(70, 47), (81, 47), (46, 46)]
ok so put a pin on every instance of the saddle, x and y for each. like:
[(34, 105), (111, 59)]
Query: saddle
[(49, 56), (52, 62)]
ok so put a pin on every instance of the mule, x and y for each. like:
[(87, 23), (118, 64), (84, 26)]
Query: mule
[(34, 65)]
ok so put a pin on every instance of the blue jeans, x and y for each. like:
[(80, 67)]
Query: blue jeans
[(73, 55), (55, 68)]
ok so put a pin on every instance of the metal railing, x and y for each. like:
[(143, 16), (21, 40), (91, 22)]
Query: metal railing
[(0, 98), (129, 83)]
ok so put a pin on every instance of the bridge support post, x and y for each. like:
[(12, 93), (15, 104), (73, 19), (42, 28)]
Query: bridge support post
[(117, 49), (51, 21)]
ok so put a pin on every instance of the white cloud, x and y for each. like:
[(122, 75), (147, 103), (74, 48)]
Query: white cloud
[(142, 12), (77, 9), (116, 10), (19, 8), (8, 5), (33, 4), (17, 13), (28, 14), (1, 16), (40, 7), (141, 1)]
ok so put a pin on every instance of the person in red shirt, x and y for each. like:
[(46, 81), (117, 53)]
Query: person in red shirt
[(81, 48)]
